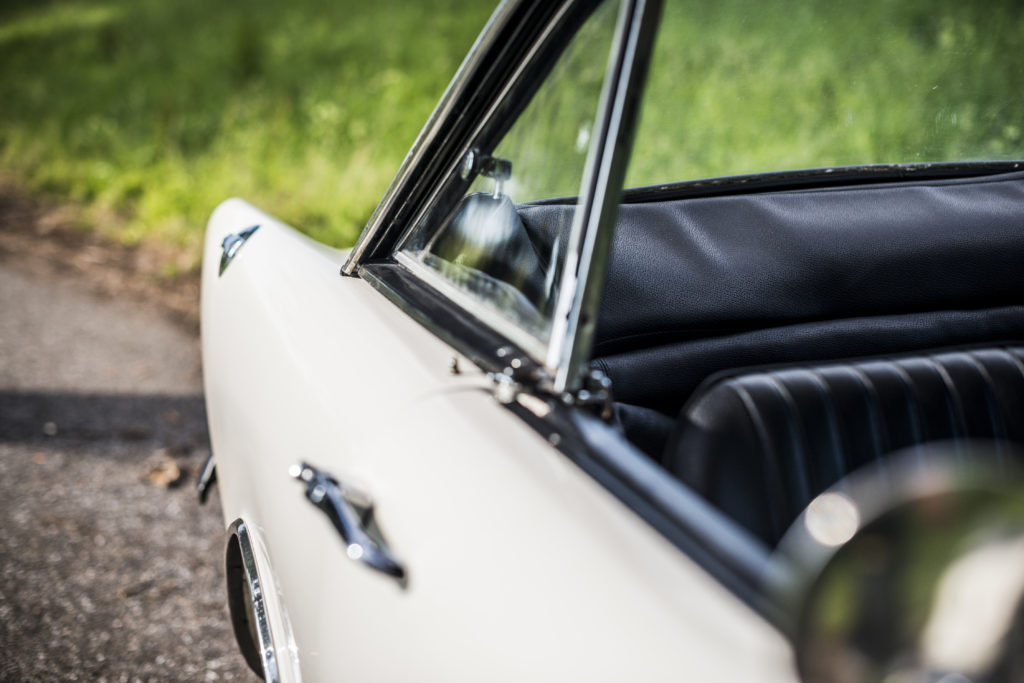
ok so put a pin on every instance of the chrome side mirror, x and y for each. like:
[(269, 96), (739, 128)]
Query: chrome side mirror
[(911, 571)]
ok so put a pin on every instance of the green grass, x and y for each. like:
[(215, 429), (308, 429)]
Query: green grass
[(147, 113)]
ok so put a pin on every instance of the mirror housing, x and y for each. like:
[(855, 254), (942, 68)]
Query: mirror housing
[(911, 570)]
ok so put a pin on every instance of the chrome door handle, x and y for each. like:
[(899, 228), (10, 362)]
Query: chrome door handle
[(351, 513)]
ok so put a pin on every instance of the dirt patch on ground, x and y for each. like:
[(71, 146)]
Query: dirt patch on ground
[(48, 238)]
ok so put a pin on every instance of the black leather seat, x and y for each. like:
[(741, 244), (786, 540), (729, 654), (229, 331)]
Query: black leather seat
[(703, 285), (761, 444)]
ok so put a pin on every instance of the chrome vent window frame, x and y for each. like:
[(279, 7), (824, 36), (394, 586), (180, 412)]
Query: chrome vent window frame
[(563, 356)]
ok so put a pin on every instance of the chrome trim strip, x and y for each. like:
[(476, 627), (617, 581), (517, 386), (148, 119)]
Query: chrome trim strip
[(268, 658)]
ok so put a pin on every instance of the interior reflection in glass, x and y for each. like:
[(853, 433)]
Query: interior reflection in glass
[(485, 250)]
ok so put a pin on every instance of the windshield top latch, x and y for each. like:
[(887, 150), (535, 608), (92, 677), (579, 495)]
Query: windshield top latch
[(477, 163)]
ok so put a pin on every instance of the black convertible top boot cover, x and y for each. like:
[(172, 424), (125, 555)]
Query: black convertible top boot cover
[(703, 267), (760, 445), (702, 285)]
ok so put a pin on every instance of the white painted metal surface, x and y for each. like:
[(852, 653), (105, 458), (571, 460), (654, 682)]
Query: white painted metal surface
[(520, 566)]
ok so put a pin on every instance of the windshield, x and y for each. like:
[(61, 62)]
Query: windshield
[(747, 86), (489, 248)]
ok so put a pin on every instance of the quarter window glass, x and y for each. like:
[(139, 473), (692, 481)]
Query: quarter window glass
[(487, 249), (748, 86)]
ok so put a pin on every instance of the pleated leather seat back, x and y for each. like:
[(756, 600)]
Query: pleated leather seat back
[(760, 445)]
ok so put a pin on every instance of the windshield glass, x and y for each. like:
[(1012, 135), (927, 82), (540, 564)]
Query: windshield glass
[(747, 86), (489, 249)]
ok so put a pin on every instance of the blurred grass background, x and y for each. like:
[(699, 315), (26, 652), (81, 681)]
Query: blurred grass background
[(761, 86), (147, 113)]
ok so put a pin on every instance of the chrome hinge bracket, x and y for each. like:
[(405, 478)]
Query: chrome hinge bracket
[(522, 375), (519, 374), (596, 393)]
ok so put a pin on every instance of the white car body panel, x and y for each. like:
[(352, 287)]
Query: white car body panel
[(521, 567)]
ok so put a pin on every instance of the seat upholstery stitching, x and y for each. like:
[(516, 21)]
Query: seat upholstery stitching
[(775, 482), (994, 414), (798, 440), (912, 398), (878, 439), (1015, 358), (834, 425), (954, 405)]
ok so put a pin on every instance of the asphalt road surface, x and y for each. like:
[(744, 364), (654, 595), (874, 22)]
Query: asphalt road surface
[(109, 569)]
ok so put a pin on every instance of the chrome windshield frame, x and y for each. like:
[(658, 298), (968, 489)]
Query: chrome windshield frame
[(575, 316)]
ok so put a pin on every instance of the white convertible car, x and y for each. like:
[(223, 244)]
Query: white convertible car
[(738, 424)]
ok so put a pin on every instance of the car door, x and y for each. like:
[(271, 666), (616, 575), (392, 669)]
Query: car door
[(409, 382)]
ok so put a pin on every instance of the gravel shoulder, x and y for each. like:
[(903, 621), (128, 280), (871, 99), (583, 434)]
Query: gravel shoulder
[(109, 568)]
